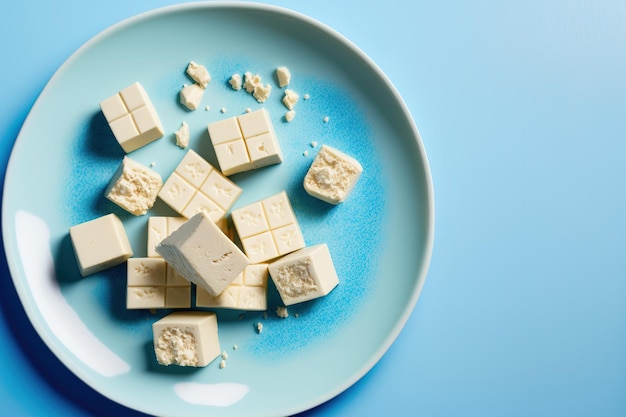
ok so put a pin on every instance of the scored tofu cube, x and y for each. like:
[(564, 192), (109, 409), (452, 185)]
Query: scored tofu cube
[(186, 338), (100, 244), (304, 275), (246, 292)]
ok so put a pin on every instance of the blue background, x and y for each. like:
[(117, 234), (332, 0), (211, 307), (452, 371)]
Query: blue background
[(522, 110)]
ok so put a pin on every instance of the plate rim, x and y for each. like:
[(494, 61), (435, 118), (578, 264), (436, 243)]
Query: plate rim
[(11, 253)]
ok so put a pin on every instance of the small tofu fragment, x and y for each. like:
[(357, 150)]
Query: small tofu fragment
[(290, 115), (191, 95), (203, 254), (290, 99), (132, 118), (247, 292), (186, 338), (199, 74), (268, 228), (134, 187), (100, 244), (235, 82), (253, 85), (182, 136), (304, 275), (332, 175), (284, 76)]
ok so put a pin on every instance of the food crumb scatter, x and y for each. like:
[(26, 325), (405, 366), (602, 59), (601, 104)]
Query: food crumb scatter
[(282, 312), (224, 355), (223, 109), (305, 153), (235, 347), (207, 108), (222, 364), (326, 119), (182, 136), (235, 82), (152, 164), (306, 96), (290, 115), (313, 144), (259, 327), (296, 315), (248, 110)]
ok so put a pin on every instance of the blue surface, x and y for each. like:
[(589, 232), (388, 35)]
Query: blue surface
[(522, 111)]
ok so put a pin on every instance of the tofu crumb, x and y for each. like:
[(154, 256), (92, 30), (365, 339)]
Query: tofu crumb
[(224, 355), (235, 82), (207, 108), (258, 327), (290, 115), (282, 312), (305, 153), (199, 74), (306, 97), (223, 109), (182, 136), (152, 164), (222, 364), (248, 110), (326, 119), (313, 144), (296, 315), (235, 347), (290, 99)]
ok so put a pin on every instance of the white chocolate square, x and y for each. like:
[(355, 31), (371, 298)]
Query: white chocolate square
[(304, 275), (245, 142), (186, 338), (100, 244), (247, 292), (160, 227), (132, 118), (152, 283), (134, 187), (203, 254), (332, 175), (268, 228), (196, 185)]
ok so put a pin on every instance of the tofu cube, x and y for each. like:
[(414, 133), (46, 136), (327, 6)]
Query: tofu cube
[(100, 244), (152, 283), (304, 275), (268, 228), (200, 252), (134, 187), (132, 118), (332, 175), (247, 292), (195, 186), (245, 142), (186, 338)]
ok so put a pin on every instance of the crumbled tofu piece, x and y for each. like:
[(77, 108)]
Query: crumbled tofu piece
[(289, 116), (222, 364), (191, 95), (253, 85), (186, 338), (251, 81), (282, 312), (100, 244), (258, 327), (304, 275), (305, 153), (203, 254), (223, 110), (224, 355), (332, 175), (284, 76), (262, 92), (134, 187), (132, 118), (182, 135), (235, 82), (199, 74), (290, 99), (326, 119), (306, 97), (313, 144), (235, 347)]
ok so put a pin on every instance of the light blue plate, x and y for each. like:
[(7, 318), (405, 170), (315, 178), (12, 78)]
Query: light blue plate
[(380, 238)]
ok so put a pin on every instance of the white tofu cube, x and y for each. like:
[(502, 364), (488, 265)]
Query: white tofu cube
[(332, 175), (134, 187), (245, 142), (186, 338), (203, 254), (304, 275), (195, 186), (152, 283), (268, 228), (100, 244), (132, 118), (247, 292)]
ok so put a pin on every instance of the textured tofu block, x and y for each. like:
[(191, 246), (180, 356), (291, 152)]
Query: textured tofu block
[(186, 338), (247, 292), (100, 244), (304, 275), (268, 228), (134, 187), (132, 118), (332, 175), (245, 142), (152, 283), (195, 186), (203, 254)]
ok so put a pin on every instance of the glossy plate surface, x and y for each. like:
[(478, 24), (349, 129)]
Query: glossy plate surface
[(380, 238)]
